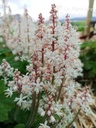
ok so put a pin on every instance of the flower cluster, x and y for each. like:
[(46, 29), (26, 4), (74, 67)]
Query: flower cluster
[(49, 86), (6, 70), (20, 39)]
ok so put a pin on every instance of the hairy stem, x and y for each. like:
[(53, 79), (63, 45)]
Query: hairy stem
[(32, 110), (34, 113), (36, 110), (69, 125), (60, 89), (53, 76), (42, 62)]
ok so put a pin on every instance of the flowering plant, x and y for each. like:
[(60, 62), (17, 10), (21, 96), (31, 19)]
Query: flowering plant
[(48, 88)]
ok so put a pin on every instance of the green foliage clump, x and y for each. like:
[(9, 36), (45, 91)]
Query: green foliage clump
[(80, 25), (10, 116), (88, 58)]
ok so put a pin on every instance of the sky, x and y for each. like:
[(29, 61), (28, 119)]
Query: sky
[(75, 8)]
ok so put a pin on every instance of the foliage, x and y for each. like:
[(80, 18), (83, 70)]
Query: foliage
[(80, 25), (6, 53), (6, 104), (88, 57), (20, 126), (8, 111)]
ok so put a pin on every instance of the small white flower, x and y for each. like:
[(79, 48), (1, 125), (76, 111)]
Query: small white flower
[(11, 83), (41, 111), (52, 119), (38, 86), (26, 104), (20, 100), (15, 88), (16, 58), (49, 112), (9, 92), (44, 125)]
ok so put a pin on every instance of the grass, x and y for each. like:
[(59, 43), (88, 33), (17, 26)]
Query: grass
[(80, 25)]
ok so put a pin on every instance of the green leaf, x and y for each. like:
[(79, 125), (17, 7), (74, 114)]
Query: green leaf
[(22, 116), (56, 117), (6, 104), (20, 126), (4, 50)]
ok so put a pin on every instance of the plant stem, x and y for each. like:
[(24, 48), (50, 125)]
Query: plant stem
[(53, 76), (42, 62), (33, 113), (68, 126), (32, 110), (16, 113), (36, 109), (60, 89)]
